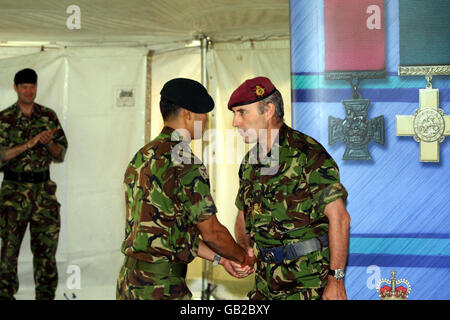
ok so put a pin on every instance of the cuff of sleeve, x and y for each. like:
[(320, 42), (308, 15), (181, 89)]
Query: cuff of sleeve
[(239, 204), (206, 215), (61, 156), (332, 193)]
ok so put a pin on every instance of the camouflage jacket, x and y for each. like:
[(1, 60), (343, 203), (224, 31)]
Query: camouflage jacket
[(165, 199), (287, 205), (16, 129)]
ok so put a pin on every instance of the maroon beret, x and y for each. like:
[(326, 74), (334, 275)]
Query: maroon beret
[(250, 91)]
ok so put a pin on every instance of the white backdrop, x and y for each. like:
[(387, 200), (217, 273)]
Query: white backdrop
[(82, 85)]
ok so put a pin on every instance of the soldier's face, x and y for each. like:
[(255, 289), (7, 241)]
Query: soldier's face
[(249, 121), (26, 92)]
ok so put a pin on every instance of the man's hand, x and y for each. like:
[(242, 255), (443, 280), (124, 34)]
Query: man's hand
[(33, 141), (244, 271), (47, 136), (235, 269), (251, 257), (335, 290), (241, 271)]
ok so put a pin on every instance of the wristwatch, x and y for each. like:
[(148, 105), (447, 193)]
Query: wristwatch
[(338, 274), (216, 260)]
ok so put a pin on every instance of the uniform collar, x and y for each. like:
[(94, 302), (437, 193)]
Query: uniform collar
[(36, 113), (279, 139), (172, 134), (283, 133)]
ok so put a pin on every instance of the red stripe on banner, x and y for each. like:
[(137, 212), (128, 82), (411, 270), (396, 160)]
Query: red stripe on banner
[(354, 35)]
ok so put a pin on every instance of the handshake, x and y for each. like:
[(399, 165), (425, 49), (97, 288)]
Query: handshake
[(237, 270)]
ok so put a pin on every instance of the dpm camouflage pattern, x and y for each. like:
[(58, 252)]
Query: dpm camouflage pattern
[(36, 204), (287, 207), (16, 129), (303, 278), (33, 203), (142, 285), (165, 199)]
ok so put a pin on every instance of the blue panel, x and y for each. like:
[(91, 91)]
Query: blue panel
[(426, 283), (400, 207)]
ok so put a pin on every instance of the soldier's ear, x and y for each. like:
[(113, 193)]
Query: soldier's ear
[(270, 110), (15, 87), (185, 114), (189, 115)]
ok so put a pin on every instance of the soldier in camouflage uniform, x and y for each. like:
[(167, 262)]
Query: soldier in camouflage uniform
[(169, 204), (290, 201), (31, 137)]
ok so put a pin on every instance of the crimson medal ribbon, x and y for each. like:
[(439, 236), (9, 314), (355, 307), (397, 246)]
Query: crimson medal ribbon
[(355, 36)]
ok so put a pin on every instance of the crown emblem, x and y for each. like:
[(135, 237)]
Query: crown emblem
[(393, 289), (259, 90)]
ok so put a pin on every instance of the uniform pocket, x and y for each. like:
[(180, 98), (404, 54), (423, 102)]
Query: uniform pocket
[(50, 187)]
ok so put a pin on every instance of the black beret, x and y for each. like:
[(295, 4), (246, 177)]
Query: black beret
[(25, 76), (188, 94)]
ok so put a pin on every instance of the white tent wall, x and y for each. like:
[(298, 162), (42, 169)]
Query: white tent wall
[(104, 137), (183, 63), (10, 52), (82, 86)]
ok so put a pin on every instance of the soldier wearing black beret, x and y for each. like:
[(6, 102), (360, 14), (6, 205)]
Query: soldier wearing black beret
[(169, 204), (31, 138)]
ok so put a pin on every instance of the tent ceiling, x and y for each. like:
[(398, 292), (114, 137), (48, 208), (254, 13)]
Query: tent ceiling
[(151, 22)]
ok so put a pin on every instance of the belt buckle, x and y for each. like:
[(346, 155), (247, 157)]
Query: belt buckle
[(269, 256)]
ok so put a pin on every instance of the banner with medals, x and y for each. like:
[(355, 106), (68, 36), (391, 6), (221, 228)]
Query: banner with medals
[(354, 51), (348, 59)]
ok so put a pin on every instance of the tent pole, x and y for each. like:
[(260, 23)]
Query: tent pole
[(204, 47), (207, 269), (148, 96)]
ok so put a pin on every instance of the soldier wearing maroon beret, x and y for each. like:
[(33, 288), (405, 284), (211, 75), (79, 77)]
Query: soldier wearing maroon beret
[(290, 201)]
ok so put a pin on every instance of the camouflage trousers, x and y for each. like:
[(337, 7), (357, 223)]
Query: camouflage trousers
[(141, 285), (303, 278), (34, 204)]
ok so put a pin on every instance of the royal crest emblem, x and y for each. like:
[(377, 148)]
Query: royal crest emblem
[(429, 125), (259, 90), (393, 289)]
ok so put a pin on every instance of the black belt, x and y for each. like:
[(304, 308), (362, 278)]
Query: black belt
[(166, 268), (293, 250), (33, 177)]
